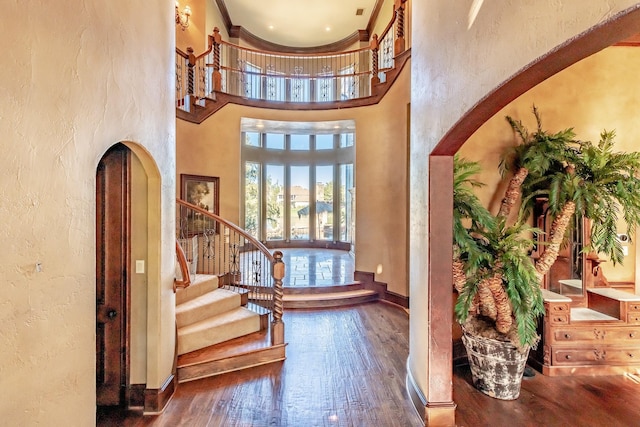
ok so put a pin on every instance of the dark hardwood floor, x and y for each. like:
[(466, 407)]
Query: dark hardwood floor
[(346, 367)]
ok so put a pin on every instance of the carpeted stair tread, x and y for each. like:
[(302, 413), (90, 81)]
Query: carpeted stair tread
[(217, 329), (202, 284), (208, 305)]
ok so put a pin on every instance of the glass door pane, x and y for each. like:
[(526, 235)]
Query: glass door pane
[(346, 201), (324, 202), (299, 215), (252, 198), (275, 202)]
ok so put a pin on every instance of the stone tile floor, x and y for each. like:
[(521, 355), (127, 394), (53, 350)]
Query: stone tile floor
[(317, 267)]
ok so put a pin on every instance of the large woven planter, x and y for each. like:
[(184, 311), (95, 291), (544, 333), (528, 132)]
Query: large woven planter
[(496, 366)]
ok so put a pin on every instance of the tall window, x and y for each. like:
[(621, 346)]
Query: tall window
[(324, 203), (298, 185), (346, 202), (275, 202), (252, 198), (299, 207)]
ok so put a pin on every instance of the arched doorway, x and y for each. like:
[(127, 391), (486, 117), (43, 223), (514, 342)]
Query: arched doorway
[(127, 244), (113, 213)]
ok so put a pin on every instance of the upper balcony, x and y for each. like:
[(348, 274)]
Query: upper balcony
[(228, 73)]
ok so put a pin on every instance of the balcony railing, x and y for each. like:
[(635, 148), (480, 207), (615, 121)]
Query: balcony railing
[(287, 78)]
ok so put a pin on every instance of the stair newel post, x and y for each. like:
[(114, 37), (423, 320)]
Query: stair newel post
[(216, 75), (191, 78), (277, 331), (399, 42), (375, 47)]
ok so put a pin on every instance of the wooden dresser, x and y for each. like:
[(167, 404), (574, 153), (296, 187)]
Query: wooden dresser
[(600, 339)]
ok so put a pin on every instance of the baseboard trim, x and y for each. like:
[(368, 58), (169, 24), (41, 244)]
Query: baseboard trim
[(415, 394), (369, 282), (432, 414), (155, 400), (136, 395)]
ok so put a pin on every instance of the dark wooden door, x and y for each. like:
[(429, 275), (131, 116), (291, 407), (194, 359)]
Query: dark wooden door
[(112, 275)]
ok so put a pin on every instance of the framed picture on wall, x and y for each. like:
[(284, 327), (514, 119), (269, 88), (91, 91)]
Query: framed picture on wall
[(202, 191)]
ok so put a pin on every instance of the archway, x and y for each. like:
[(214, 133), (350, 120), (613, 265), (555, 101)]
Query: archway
[(133, 184), (438, 388)]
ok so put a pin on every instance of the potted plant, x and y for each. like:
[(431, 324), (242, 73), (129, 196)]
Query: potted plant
[(499, 295), (497, 281)]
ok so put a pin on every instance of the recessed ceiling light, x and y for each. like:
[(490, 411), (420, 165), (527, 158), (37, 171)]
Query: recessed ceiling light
[(327, 28), (271, 27)]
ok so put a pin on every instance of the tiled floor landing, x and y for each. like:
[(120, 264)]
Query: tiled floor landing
[(317, 267)]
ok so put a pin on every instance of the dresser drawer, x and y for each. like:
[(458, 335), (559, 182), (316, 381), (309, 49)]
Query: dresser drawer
[(613, 334), (633, 306), (595, 356), (633, 318), (559, 319)]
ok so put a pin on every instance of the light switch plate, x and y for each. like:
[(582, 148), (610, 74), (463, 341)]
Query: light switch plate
[(139, 266)]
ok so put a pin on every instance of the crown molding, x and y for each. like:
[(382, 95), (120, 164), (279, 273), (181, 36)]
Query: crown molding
[(237, 31)]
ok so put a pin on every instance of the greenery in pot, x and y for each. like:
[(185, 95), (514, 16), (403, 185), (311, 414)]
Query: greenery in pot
[(497, 281), (499, 294)]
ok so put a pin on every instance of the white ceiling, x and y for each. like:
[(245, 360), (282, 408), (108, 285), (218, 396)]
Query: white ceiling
[(300, 23)]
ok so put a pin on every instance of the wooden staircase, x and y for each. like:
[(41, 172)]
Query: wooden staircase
[(207, 315), (219, 331)]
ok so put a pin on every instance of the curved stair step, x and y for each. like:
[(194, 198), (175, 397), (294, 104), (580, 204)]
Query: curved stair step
[(206, 305), (202, 284), (325, 299), (223, 327)]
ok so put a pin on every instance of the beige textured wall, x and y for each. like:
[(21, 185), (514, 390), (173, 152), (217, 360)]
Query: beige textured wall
[(214, 19), (453, 69), (212, 148), (597, 93), (78, 76), (384, 17), (195, 35)]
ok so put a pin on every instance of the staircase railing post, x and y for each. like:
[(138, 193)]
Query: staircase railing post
[(399, 42), (216, 75), (191, 78), (375, 46), (277, 329)]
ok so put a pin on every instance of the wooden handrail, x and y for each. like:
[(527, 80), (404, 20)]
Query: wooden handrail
[(298, 76), (184, 270), (277, 270), (257, 243), (181, 53), (388, 28), (302, 55)]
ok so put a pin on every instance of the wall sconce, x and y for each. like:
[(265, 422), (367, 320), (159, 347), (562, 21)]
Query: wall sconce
[(182, 18)]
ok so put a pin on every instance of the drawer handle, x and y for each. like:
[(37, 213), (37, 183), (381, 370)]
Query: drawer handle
[(567, 336), (631, 355), (632, 335), (568, 356)]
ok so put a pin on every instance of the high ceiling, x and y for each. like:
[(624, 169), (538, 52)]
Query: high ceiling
[(300, 23)]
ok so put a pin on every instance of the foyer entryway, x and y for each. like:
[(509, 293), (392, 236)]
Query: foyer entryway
[(309, 267)]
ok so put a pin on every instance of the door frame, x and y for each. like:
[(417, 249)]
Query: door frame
[(125, 394)]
